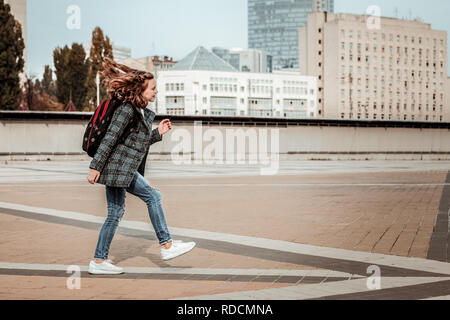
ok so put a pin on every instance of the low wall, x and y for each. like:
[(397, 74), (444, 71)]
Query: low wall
[(59, 138)]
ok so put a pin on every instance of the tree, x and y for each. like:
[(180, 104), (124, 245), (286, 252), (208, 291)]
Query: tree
[(71, 69), (11, 58), (101, 47), (48, 84), (47, 79), (47, 89), (31, 94)]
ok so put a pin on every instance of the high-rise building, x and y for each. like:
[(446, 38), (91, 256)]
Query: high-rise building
[(273, 27), (245, 60), (391, 70)]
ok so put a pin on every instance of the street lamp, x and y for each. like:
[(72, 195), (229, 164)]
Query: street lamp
[(97, 80)]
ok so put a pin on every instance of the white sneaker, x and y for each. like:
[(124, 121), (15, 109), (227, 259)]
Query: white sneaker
[(177, 248), (106, 267)]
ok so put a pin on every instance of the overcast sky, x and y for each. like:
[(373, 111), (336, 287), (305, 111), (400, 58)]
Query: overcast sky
[(176, 27)]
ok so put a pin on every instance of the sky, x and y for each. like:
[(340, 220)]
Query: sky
[(175, 27)]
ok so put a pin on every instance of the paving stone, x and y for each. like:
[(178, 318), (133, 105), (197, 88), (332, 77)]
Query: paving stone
[(391, 212)]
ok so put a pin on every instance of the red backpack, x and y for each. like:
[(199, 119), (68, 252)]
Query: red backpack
[(99, 123)]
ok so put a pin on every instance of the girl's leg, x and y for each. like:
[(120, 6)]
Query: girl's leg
[(152, 197), (115, 198)]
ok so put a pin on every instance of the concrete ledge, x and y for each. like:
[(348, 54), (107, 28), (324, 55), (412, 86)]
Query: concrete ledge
[(231, 121), (304, 156)]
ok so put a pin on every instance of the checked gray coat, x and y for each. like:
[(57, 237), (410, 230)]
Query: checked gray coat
[(117, 162)]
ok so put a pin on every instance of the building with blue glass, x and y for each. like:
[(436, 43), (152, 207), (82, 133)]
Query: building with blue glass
[(273, 27)]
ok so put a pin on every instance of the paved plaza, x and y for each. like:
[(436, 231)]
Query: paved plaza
[(315, 230)]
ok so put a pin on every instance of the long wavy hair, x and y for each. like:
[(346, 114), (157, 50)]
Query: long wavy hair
[(125, 83)]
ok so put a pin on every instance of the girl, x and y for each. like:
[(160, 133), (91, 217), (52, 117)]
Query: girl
[(120, 164)]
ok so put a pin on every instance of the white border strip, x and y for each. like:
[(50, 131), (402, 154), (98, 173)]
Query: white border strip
[(318, 290), (203, 271), (280, 245)]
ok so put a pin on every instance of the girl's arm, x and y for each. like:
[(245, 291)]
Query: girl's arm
[(163, 127), (155, 137)]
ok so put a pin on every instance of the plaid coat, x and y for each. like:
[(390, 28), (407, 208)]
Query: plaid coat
[(117, 162)]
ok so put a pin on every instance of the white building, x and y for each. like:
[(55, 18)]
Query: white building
[(204, 84)]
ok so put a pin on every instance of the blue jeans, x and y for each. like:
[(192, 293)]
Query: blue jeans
[(115, 196)]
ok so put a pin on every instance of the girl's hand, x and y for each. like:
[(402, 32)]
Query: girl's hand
[(164, 126), (93, 176)]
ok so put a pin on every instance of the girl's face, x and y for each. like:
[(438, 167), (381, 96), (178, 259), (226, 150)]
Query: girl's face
[(151, 91)]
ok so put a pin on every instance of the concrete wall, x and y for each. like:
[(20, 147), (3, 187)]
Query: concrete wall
[(61, 139)]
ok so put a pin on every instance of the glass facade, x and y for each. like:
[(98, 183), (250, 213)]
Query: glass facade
[(273, 27), (245, 60), (232, 58)]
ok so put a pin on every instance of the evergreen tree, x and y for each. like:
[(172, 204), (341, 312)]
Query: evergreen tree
[(101, 47), (47, 79), (48, 83), (38, 86), (71, 69), (11, 58)]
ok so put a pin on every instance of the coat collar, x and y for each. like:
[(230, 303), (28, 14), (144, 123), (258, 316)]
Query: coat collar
[(149, 115)]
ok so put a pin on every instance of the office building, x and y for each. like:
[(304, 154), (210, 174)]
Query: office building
[(273, 27), (245, 60), (394, 71)]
